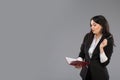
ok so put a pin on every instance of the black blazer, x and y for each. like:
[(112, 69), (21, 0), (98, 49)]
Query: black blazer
[(98, 69)]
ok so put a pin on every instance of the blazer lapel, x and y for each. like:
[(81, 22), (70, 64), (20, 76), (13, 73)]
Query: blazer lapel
[(87, 48)]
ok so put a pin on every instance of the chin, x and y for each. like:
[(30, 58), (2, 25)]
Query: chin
[(93, 32)]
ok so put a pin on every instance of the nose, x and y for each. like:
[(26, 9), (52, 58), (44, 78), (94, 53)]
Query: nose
[(92, 27)]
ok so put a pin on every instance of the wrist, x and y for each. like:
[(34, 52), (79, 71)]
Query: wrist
[(101, 50)]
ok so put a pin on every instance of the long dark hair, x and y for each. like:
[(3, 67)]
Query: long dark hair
[(101, 20)]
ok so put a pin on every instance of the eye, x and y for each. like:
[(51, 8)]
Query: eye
[(94, 25)]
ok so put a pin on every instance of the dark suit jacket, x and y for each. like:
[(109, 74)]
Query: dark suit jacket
[(98, 69)]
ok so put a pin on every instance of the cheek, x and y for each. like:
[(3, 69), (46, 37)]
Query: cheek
[(98, 29)]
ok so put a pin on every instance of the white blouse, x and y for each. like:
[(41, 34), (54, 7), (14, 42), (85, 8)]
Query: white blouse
[(103, 56)]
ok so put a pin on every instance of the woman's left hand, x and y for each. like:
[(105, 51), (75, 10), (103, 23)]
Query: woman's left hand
[(103, 44)]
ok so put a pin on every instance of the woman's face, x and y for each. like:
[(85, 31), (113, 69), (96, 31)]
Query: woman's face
[(96, 28)]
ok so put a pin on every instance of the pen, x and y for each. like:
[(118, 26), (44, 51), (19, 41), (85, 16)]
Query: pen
[(109, 37)]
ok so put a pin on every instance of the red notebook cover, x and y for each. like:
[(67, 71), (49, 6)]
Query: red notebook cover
[(81, 63)]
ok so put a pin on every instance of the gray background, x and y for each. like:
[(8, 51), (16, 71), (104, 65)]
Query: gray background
[(37, 35)]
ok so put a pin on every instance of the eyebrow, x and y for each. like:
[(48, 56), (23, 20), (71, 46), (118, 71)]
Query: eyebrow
[(93, 24)]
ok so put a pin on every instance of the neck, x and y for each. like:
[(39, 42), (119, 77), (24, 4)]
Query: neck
[(97, 35)]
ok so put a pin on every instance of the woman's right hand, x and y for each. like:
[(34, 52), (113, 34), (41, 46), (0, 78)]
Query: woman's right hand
[(78, 66)]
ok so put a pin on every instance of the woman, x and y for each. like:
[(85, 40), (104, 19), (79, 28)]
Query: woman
[(97, 48)]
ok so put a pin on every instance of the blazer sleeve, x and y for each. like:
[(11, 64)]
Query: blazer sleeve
[(82, 53), (108, 51)]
